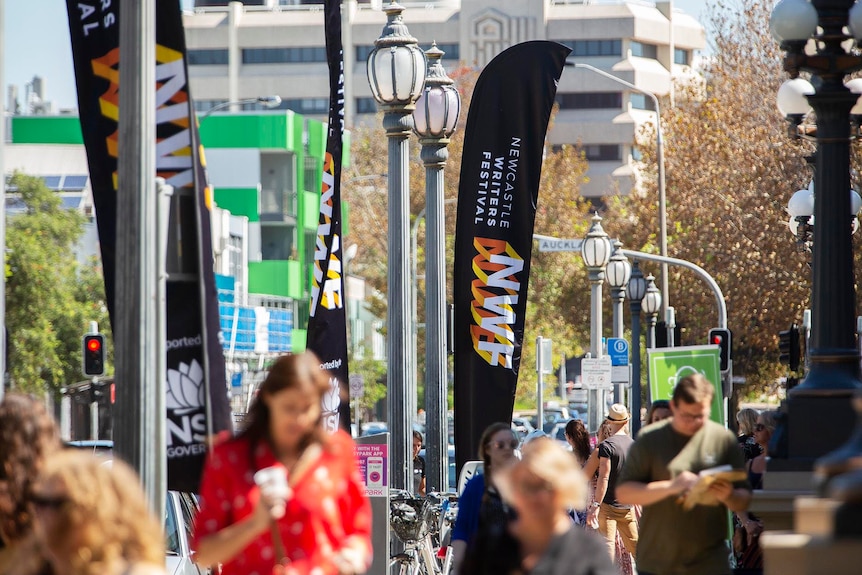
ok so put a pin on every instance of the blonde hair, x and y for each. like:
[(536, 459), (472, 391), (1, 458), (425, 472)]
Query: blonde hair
[(545, 459), (747, 418), (106, 520)]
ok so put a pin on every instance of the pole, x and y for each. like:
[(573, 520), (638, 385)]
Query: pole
[(3, 343), (414, 299), (635, 306), (540, 386), (139, 335), (434, 154), (597, 277), (618, 296), (398, 122), (670, 321)]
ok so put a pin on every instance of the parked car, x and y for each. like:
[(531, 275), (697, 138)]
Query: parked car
[(452, 479), (180, 509), (558, 434), (523, 425)]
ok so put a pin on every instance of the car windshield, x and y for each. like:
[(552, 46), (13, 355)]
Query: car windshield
[(172, 529)]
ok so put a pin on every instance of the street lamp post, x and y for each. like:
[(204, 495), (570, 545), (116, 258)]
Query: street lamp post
[(819, 415), (619, 271), (662, 196), (651, 304), (267, 102), (595, 251), (396, 74), (434, 121), (635, 291)]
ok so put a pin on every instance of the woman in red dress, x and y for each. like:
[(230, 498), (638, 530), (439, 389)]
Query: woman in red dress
[(321, 524)]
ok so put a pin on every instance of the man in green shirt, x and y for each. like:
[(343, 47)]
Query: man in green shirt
[(662, 466)]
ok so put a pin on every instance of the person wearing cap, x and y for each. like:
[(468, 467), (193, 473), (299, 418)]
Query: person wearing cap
[(614, 516), (662, 465)]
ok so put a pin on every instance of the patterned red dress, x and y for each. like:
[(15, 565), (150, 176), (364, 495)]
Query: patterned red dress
[(327, 510)]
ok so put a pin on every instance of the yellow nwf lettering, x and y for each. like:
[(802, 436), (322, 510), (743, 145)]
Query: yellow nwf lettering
[(108, 68), (495, 293)]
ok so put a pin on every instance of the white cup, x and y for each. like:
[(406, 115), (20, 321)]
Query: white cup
[(272, 482)]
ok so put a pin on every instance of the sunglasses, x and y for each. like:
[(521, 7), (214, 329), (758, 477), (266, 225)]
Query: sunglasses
[(504, 444), (48, 502), (759, 427)]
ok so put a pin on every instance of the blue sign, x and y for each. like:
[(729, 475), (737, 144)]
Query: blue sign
[(618, 351)]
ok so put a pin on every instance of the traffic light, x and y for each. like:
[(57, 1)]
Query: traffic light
[(93, 354), (788, 347), (722, 338)]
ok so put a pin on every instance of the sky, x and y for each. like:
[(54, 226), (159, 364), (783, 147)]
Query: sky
[(36, 36)]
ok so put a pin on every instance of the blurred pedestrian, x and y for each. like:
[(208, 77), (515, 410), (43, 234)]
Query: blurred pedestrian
[(542, 540), (579, 440), (662, 465), (480, 506), (659, 410), (748, 527), (91, 518), (746, 419), (285, 496), (28, 435), (418, 465), (613, 516)]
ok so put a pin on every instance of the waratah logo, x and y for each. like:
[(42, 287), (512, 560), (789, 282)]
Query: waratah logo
[(331, 403), (185, 386)]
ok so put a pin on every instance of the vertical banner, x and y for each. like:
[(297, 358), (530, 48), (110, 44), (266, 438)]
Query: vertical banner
[(500, 169), (197, 401), (327, 324)]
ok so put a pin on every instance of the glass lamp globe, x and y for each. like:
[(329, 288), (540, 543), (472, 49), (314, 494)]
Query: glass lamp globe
[(855, 86), (793, 21), (652, 300), (854, 21), (791, 98), (801, 203), (596, 249), (636, 288), (855, 202), (619, 269)]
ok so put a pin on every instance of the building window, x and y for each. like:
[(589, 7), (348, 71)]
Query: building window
[(362, 52), (366, 106), (206, 57), (681, 56), (594, 47), (307, 106), (602, 152), (641, 102), (642, 50), (301, 54), (451, 51), (590, 100), (637, 155), (312, 171)]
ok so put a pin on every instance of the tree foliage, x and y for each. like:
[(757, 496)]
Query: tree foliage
[(50, 298), (730, 170)]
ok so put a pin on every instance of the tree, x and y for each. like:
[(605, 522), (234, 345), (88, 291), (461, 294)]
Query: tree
[(730, 170), (50, 299)]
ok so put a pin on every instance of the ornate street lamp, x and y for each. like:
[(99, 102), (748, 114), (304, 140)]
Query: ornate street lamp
[(618, 272), (434, 120), (635, 291), (596, 251), (801, 210), (651, 304), (818, 413), (396, 74)]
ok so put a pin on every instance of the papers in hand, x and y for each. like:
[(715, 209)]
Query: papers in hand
[(700, 493)]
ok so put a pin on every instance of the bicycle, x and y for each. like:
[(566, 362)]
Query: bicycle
[(417, 522)]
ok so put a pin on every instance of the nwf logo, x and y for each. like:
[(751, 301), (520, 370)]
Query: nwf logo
[(495, 293)]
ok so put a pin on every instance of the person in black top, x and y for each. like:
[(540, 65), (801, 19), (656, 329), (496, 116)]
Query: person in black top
[(418, 465), (612, 515)]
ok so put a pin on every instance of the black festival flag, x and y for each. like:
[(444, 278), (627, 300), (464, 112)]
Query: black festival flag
[(500, 169), (327, 324), (197, 401)]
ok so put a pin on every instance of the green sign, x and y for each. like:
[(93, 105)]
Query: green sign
[(669, 365)]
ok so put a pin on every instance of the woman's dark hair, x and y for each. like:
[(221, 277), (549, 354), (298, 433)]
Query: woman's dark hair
[(577, 432), (657, 404), (417, 435), (485, 441), (300, 372), (28, 434)]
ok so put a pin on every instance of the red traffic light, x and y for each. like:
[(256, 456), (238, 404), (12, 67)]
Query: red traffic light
[(717, 339), (94, 344)]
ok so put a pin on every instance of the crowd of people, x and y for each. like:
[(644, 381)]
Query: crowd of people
[(620, 506), (286, 497)]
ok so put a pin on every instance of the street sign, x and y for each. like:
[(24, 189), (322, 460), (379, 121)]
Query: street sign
[(596, 372), (357, 385), (669, 365), (560, 245), (618, 351)]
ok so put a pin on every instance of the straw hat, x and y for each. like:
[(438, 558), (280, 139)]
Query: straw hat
[(618, 413)]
